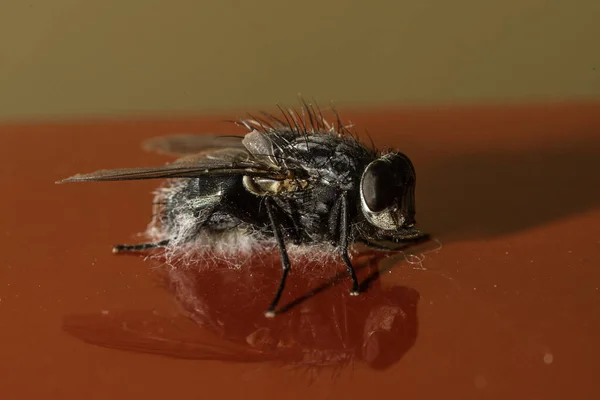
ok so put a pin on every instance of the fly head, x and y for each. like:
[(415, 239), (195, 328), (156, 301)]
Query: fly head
[(387, 196)]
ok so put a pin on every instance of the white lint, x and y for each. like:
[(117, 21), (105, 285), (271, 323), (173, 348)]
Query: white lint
[(190, 245)]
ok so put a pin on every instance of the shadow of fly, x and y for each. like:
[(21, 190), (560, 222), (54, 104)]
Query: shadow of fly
[(294, 180)]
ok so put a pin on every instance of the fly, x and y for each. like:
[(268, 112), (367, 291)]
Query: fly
[(294, 181)]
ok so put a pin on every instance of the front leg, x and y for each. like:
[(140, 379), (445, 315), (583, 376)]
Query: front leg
[(343, 242), (402, 244)]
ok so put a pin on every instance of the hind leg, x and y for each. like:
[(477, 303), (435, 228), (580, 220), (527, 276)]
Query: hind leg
[(133, 248)]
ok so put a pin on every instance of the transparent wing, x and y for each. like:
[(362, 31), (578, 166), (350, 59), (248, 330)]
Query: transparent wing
[(231, 161), (147, 332), (251, 155), (185, 144)]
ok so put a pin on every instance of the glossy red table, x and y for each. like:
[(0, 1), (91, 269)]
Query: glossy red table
[(505, 303)]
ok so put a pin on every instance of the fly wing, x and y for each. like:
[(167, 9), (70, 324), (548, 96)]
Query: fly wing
[(261, 146), (147, 332), (185, 144), (224, 162)]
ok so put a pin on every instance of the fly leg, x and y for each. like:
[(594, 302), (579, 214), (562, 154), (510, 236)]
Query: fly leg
[(343, 243), (132, 248), (285, 261), (402, 244)]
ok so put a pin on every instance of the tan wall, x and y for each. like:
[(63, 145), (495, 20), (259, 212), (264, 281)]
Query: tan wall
[(79, 57)]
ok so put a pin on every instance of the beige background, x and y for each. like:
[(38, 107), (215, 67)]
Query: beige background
[(65, 58)]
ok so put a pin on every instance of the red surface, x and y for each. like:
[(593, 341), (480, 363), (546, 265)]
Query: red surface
[(506, 307)]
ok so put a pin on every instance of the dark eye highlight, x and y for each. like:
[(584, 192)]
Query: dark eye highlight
[(378, 186)]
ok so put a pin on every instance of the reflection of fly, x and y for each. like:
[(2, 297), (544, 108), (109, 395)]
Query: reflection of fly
[(292, 180)]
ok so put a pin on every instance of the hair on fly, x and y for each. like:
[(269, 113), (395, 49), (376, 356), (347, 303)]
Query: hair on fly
[(294, 181)]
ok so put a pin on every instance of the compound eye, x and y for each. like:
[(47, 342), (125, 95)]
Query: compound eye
[(378, 186)]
